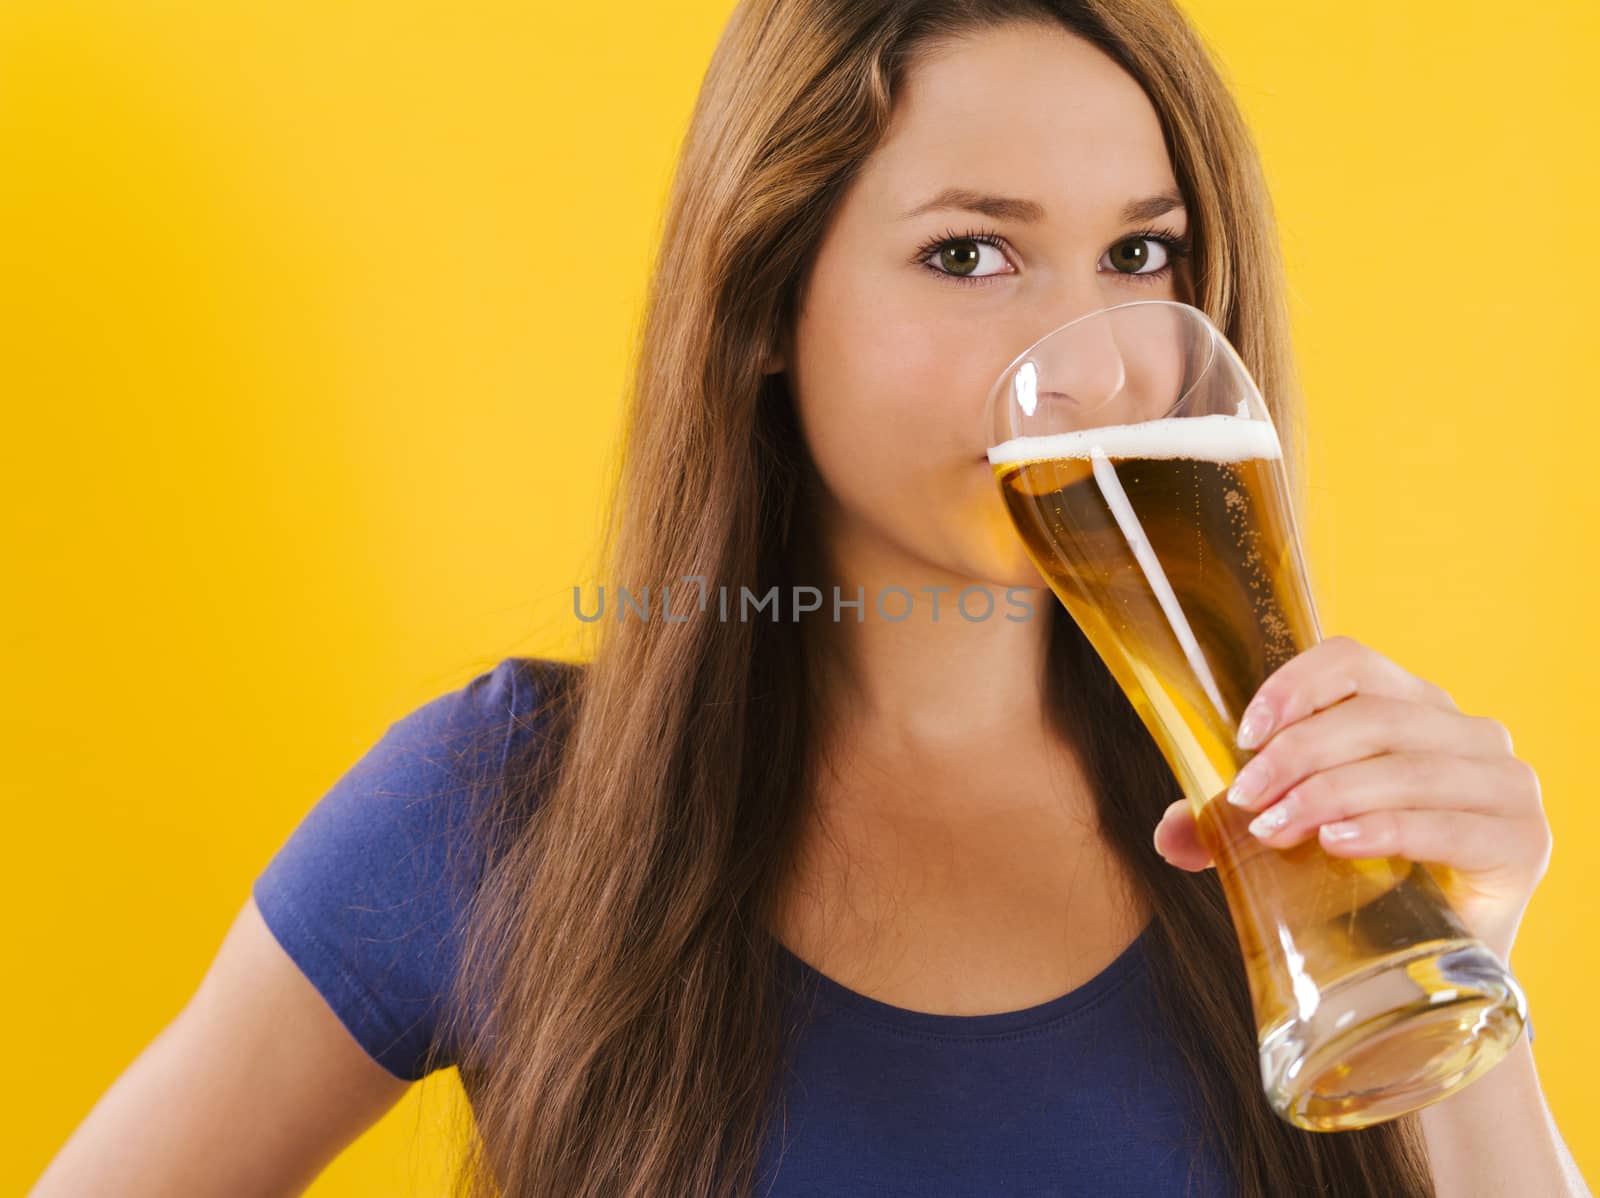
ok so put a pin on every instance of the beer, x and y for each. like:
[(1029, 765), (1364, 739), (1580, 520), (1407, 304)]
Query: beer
[(1172, 544)]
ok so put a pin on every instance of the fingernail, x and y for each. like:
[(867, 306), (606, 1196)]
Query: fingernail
[(1254, 727), (1250, 782), (1343, 829), (1271, 820)]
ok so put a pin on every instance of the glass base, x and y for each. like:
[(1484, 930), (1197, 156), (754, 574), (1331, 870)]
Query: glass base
[(1403, 1033)]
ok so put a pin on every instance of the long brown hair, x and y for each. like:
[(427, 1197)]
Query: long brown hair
[(616, 1019)]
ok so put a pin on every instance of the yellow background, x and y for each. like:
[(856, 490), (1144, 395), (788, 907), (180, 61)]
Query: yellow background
[(315, 320)]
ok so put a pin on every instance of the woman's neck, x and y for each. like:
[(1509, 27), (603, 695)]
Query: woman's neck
[(922, 688)]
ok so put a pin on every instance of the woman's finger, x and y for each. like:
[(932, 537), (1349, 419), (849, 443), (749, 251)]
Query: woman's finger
[(1500, 789), (1365, 726), (1480, 847), (1178, 840), (1327, 673)]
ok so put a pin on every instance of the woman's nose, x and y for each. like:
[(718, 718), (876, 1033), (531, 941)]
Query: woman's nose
[(1083, 364)]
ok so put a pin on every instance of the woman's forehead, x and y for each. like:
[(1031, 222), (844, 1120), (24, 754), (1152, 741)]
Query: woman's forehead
[(1027, 113), (1034, 78)]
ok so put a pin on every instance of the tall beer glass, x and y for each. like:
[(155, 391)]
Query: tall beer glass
[(1143, 472)]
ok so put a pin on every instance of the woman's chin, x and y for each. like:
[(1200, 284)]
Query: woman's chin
[(1012, 567), (1002, 572)]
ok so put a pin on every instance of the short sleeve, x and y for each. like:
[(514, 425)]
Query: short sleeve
[(367, 892)]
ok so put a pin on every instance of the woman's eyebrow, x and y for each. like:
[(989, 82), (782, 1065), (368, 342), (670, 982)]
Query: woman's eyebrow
[(1030, 211)]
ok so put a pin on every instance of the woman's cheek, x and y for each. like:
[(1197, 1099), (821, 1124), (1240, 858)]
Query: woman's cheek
[(851, 437)]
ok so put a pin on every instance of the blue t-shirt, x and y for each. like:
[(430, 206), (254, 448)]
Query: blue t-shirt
[(1082, 1094)]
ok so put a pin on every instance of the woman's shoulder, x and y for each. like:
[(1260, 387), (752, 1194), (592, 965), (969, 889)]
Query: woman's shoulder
[(367, 891)]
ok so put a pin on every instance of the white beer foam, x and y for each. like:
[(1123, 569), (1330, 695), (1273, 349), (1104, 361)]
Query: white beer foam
[(1218, 438)]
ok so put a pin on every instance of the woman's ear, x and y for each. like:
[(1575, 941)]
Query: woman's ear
[(777, 360)]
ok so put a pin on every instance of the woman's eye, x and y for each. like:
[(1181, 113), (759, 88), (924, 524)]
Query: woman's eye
[(962, 258), (1132, 257), (1145, 256)]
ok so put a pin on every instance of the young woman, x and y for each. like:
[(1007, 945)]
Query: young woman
[(858, 906)]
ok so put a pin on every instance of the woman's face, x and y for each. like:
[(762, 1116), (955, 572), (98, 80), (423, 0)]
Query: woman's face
[(907, 318)]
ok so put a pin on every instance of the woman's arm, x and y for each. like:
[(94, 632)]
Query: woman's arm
[(1497, 1137), (251, 1090)]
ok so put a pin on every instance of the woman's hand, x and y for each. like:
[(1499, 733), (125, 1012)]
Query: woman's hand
[(1375, 762)]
